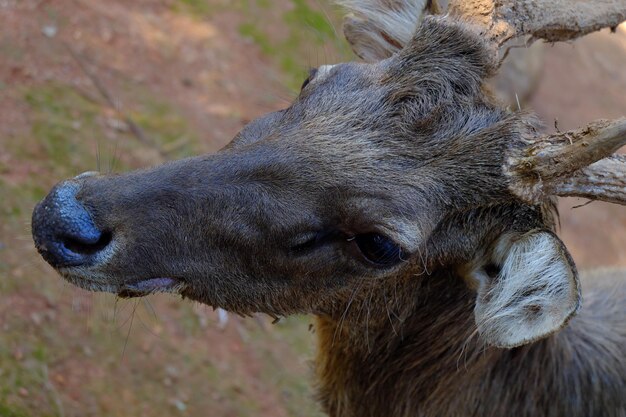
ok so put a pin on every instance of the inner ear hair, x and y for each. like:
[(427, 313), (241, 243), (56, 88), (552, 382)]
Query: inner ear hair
[(377, 29), (527, 288)]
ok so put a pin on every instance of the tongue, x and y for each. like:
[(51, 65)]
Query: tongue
[(146, 287)]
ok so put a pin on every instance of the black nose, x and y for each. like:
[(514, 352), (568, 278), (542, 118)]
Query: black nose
[(64, 231)]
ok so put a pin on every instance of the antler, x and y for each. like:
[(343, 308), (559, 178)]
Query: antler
[(551, 20), (576, 163)]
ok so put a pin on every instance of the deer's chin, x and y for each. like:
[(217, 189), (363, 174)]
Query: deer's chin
[(78, 278)]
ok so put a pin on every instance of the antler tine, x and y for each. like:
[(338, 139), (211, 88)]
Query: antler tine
[(551, 20), (575, 163), (605, 180)]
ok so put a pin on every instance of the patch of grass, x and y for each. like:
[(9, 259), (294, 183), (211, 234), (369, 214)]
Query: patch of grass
[(10, 411), (165, 126), (316, 23), (23, 389), (309, 29), (64, 124), (71, 128), (251, 31)]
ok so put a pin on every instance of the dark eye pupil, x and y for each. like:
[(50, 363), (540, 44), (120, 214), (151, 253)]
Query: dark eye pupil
[(379, 249)]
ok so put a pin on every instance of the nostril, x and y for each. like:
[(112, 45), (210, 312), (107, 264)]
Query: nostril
[(85, 247), (65, 232)]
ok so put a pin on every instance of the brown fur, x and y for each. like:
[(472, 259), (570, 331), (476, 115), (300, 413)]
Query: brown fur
[(411, 149)]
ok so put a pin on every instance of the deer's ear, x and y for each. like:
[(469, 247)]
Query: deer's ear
[(527, 289), (376, 30)]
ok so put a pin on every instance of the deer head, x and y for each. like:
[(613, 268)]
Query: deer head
[(376, 170)]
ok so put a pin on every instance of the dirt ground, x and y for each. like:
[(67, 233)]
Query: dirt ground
[(582, 81), (117, 85)]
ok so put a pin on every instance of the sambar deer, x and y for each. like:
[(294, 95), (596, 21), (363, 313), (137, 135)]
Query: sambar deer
[(404, 207)]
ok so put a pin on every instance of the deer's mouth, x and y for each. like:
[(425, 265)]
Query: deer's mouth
[(150, 286), (139, 288)]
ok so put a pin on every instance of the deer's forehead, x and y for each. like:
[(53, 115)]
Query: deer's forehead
[(342, 101), (345, 113), (349, 77)]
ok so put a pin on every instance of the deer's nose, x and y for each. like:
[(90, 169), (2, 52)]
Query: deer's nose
[(64, 231)]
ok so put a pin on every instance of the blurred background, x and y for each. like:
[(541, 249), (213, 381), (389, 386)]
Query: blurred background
[(117, 85)]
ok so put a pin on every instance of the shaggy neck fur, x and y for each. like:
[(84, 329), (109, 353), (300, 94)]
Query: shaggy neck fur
[(400, 358), (428, 360)]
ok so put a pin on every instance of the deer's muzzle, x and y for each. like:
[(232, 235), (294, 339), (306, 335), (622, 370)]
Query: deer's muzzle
[(64, 231)]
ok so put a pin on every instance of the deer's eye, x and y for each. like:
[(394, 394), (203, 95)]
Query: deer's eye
[(378, 249), (305, 242), (306, 82)]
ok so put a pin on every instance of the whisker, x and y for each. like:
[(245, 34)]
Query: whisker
[(98, 154), (393, 328), (125, 321), (367, 319), (114, 157), (148, 304), (327, 16), (129, 329), (145, 326), (343, 316)]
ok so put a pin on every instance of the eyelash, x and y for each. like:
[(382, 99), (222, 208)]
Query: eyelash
[(379, 250), (306, 82)]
